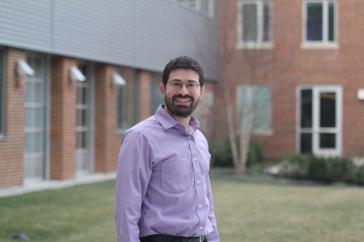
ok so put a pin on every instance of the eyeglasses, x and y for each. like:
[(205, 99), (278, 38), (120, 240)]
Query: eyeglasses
[(178, 85)]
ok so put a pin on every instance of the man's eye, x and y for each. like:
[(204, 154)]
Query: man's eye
[(176, 84)]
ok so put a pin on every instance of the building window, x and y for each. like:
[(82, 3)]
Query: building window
[(254, 24), (2, 93), (254, 108), (320, 22), (156, 98), (127, 103), (319, 120)]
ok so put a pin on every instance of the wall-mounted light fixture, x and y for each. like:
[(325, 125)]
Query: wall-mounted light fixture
[(360, 94), (23, 70), (118, 80), (76, 74)]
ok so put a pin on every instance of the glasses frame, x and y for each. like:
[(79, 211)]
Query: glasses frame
[(178, 85)]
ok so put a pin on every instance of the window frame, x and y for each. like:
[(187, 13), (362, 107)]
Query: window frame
[(259, 43), (120, 117), (2, 93), (324, 43), (240, 109), (315, 128)]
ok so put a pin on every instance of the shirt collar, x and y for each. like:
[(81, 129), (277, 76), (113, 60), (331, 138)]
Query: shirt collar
[(167, 121)]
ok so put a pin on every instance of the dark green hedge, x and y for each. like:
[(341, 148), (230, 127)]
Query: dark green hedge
[(327, 170)]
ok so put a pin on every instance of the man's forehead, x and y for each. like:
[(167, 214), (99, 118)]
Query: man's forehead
[(184, 74)]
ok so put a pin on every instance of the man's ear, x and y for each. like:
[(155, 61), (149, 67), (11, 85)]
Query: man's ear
[(162, 88), (202, 90)]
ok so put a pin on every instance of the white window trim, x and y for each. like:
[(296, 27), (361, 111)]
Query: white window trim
[(2, 94), (259, 44), (325, 44), (339, 119)]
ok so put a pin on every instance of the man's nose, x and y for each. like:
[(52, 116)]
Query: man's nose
[(184, 89)]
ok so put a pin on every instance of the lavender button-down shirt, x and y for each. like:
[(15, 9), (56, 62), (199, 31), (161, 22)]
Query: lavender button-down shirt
[(162, 183)]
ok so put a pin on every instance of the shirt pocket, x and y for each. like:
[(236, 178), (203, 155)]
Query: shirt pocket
[(177, 176)]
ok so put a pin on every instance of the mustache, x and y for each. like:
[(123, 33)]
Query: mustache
[(183, 96)]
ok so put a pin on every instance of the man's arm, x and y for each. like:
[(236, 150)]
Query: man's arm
[(133, 174), (214, 235)]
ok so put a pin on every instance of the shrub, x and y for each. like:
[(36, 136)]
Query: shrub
[(320, 169), (221, 154), (255, 154)]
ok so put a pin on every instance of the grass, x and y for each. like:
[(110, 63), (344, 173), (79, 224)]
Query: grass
[(248, 208)]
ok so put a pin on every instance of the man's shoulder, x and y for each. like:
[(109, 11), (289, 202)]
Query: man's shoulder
[(145, 127)]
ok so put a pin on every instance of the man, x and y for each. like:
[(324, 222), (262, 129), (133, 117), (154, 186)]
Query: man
[(163, 191)]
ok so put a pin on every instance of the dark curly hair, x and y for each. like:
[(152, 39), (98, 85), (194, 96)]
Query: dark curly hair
[(183, 62)]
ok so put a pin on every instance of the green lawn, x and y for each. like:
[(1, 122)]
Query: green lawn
[(248, 209)]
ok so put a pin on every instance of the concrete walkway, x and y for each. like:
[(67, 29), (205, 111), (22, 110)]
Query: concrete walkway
[(51, 184)]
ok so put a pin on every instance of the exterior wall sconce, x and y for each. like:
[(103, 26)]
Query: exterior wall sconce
[(76, 74), (22, 70), (360, 94), (118, 80)]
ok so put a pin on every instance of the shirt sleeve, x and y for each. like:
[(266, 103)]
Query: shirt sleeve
[(133, 174), (214, 235)]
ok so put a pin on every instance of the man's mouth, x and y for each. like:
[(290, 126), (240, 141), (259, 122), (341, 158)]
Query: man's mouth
[(182, 101)]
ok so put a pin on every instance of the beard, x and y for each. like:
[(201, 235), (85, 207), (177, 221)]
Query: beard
[(180, 110)]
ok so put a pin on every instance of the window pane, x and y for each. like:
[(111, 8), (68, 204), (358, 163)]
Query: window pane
[(249, 22), (134, 101), (266, 23), (331, 21), (120, 111), (261, 109), (241, 100), (306, 143), (327, 140), (306, 108), (328, 109), (314, 21), (255, 101), (2, 93)]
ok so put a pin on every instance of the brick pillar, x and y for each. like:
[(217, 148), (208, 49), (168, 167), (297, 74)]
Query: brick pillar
[(63, 120), (144, 97), (12, 145), (107, 139)]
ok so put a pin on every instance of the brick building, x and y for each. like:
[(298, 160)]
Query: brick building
[(75, 74), (299, 63)]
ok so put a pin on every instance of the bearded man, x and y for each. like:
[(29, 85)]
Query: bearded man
[(163, 191)]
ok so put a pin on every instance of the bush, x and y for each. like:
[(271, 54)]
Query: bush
[(255, 154), (321, 169), (221, 154)]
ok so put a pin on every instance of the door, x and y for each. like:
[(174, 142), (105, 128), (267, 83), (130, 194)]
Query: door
[(35, 119), (320, 118), (84, 124)]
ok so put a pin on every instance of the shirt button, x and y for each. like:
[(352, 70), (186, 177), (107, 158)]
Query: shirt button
[(200, 206), (201, 228), (198, 182)]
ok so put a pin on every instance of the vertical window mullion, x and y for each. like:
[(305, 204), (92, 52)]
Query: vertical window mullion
[(325, 16), (259, 22), (240, 23)]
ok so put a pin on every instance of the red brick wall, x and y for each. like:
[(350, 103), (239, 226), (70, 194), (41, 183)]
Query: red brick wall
[(63, 119), (144, 97), (288, 65), (12, 146), (107, 139)]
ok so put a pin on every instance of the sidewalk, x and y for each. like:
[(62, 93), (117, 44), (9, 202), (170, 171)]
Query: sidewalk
[(52, 184)]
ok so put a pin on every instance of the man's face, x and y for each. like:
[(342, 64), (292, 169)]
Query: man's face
[(182, 92)]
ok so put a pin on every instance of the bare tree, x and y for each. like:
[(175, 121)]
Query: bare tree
[(254, 65)]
